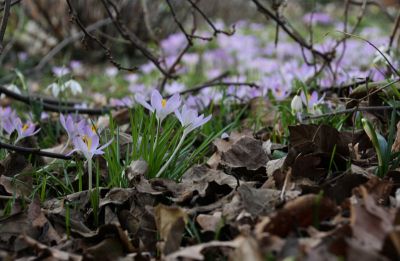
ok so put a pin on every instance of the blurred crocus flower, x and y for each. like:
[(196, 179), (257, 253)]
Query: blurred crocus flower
[(60, 71), (76, 67), (174, 87), (311, 100), (160, 106), (24, 130), (131, 77), (7, 117), (22, 56), (124, 102), (318, 17), (190, 119), (173, 44), (111, 71)]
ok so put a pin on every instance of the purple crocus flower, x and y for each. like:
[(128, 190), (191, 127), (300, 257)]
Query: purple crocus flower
[(124, 102), (24, 130), (174, 87), (88, 145), (72, 128), (160, 106), (318, 17), (190, 119), (311, 100), (60, 71), (7, 117)]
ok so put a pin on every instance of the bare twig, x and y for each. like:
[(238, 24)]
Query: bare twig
[(132, 38), (352, 110), (4, 21), (12, 4), (209, 22), (52, 107), (218, 84), (296, 36), (107, 51), (36, 151), (394, 31), (188, 36), (68, 41)]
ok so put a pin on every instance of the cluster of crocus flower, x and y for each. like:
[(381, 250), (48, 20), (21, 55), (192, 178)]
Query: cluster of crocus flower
[(85, 139), (10, 122), (189, 118)]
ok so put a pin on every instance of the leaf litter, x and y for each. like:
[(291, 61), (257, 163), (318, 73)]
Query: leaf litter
[(241, 204)]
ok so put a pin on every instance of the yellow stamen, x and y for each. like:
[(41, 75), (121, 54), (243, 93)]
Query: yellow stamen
[(25, 127), (94, 128), (87, 141), (164, 103)]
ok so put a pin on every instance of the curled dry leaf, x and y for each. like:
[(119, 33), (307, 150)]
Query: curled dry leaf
[(240, 151), (370, 222), (171, 223), (301, 212)]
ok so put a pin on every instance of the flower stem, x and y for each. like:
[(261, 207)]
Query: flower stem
[(90, 173), (172, 156), (157, 133)]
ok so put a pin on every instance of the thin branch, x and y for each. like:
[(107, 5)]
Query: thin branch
[(209, 22), (394, 31), (54, 108), (4, 22), (36, 151), (132, 38), (12, 4), (74, 17), (296, 36), (352, 110), (68, 41), (217, 84)]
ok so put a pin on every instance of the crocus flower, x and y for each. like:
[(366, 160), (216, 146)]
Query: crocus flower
[(73, 129), (190, 119), (88, 145), (311, 100), (7, 116), (60, 71), (160, 106), (24, 130)]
